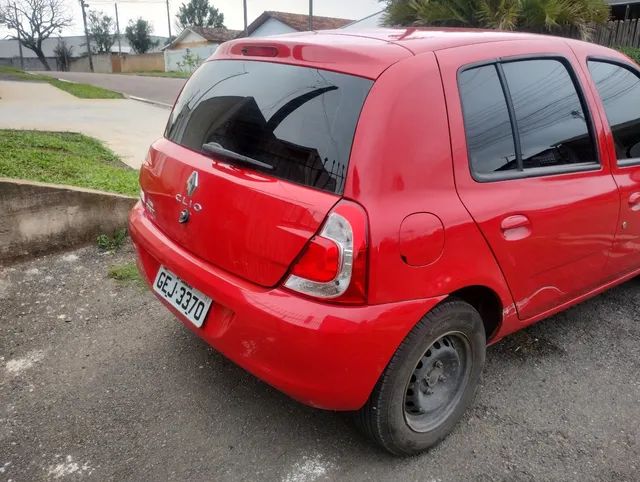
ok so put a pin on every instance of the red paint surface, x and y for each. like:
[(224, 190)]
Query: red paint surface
[(540, 244)]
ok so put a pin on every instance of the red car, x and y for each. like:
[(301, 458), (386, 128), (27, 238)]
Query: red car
[(354, 217)]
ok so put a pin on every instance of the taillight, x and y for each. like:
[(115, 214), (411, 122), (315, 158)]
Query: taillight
[(333, 265)]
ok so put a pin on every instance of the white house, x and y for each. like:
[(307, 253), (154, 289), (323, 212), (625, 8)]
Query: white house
[(276, 23), (199, 41)]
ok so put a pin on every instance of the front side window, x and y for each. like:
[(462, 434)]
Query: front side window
[(619, 89), (524, 115)]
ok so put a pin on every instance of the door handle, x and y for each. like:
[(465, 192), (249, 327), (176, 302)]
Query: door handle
[(515, 227), (634, 201)]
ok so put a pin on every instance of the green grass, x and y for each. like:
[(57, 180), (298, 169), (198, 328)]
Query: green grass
[(84, 91), (634, 53), (158, 73), (112, 243), (64, 158), (126, 273)]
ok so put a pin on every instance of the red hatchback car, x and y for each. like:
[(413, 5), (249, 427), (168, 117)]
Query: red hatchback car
[(354, 217)]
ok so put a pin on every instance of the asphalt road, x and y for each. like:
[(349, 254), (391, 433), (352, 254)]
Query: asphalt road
[(159, 89), (99, 382)]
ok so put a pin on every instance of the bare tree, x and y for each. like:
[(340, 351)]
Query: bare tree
[(35, 20)]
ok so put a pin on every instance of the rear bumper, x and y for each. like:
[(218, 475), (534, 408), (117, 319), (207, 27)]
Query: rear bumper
[(323, 355)]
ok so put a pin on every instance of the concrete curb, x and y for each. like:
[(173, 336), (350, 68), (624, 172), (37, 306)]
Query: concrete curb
[(149, 101), (38, 218)]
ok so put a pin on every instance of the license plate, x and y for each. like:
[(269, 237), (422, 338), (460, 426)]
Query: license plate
[(190, 302)]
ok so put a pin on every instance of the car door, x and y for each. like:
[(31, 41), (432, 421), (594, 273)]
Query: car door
[(617, 84), (528, 168)]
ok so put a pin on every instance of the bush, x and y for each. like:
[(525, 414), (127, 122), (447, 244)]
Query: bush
[(634, 53)]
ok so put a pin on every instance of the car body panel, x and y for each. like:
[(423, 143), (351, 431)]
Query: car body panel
[(572, 217), (409, 171)]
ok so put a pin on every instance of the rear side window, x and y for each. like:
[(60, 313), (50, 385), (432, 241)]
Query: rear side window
[(530, 115), (299, 120), (486, 120), (619, 89)]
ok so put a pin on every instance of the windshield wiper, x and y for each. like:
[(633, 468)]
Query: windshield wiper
[(215, 148)]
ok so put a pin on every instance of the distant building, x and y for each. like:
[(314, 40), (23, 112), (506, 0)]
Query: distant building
[(10, 54), (624, 9), (199, 41), (276, 23)]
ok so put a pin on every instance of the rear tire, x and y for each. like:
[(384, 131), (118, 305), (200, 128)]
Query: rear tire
[(429, 382)]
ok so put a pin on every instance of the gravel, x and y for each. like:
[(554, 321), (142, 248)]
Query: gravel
[(99, 382)]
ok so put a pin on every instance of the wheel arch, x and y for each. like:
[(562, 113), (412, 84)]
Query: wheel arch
[(487, 302)]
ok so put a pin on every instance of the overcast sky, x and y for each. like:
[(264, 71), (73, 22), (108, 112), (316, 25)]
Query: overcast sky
[(155, 11)]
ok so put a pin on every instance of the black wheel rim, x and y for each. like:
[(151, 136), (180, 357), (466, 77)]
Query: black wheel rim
[(438, 382)]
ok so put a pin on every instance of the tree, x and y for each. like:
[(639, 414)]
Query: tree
[(198, 13), (138, 33), (35, 21), (542, 16), (101, 31), (63, 53)]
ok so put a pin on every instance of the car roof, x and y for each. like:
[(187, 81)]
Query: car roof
[(369, 52), (428, 39)]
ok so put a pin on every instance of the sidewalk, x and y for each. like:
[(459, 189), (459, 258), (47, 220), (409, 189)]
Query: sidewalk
[(126, 126)]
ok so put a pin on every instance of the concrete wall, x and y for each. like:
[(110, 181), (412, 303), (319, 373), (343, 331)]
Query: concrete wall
[(142, 62), (101, 64), (173, 56), (30, 63), (39, 218)]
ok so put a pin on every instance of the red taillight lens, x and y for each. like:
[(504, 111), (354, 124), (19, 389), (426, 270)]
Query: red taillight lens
[(319, 261), (333, 265), (260, 51)]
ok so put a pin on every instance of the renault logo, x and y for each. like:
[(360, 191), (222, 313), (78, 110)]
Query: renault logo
[(192, 183)]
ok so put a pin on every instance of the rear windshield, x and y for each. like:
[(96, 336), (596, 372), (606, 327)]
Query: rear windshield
[(299, 120)]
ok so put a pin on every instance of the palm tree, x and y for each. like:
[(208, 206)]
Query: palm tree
[(528, 15)]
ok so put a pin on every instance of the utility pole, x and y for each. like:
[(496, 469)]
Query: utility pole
[(169, 20), (246, 25), (118, 30), (310, 15), (15, 11), (86, 33)]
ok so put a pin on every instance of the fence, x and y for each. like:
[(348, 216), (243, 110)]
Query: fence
[(616, 33)]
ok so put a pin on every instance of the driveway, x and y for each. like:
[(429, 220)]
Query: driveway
[(158, 89), (98, 381), (126, 126)]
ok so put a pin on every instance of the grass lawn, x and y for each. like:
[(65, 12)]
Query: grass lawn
[(64, 158), (158, 73), (84, 91)]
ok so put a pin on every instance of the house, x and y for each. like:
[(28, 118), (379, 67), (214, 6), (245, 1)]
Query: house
[(200, 42), (624, 9), (276, 23)]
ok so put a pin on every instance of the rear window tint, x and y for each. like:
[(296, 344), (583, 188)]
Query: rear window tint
[(297, 119)]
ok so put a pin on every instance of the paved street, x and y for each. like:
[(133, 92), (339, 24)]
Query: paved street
[(159, 89), (128, 127), (99, 382)]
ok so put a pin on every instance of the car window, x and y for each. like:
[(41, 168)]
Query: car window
[(299, 120), (486, 118), (619, 89), (552, 125)]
